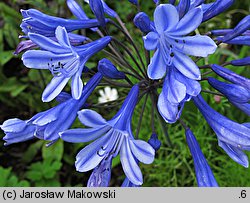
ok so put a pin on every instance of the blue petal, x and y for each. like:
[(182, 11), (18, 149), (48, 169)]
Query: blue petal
[(166, 18), (142, 151), (47, 43), (193, 86), (83, 135), (26, 134), (157, 66), (54, 88), (129, 164), (167, 110), (151, 41), (173, 89), (195, 45), (88, 158), (62, 37), (189, 22), (186, 66), (91, 118), (13, 125), (76, 85), (41, 59), (236, 154)]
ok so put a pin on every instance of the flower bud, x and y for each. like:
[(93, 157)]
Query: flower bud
[(107, 69), (143, 22)]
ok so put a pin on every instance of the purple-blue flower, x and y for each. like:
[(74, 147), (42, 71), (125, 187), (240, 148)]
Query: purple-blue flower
[(204, 174), (171, 45), (111, 137), (177, 89), (63, 60), (97, 8), (47, 125), (232, 137), (143, 22)]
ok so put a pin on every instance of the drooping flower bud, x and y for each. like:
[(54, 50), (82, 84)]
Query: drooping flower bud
[(97, 8), (241, 62)]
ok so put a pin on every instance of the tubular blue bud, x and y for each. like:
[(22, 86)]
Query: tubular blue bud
[(97, 8), (204, 174), (143, 22), (216, 8), (221, 32), (154, 142), (24, 46), (241, 62), (183, 7), (107, 69), (133, 1), (233, 92), (242, 27), (241, 40), (231, 76)]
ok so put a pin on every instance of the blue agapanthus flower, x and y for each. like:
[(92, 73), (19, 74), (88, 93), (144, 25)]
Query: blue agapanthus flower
[(169, 73), (111, 137), (232, 137), (63, 60), (35, 21), (47, 125), (170, 44)]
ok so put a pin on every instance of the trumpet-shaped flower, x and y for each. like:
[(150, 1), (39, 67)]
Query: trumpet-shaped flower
[(47, 125), (171, 44), (111, 137), (35, 21), (63, 60), (204, 174), (233, 137)]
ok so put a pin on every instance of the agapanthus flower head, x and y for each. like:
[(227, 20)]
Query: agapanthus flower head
[(111, 137), (232, 137), (47, 125), (204, 174), (171, 45), (37, 22), (63, 60)]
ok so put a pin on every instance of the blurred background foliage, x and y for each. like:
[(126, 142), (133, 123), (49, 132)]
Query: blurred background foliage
[(33, 164)]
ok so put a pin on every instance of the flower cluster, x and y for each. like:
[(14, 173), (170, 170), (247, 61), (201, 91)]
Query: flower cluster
[(170, 76)]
